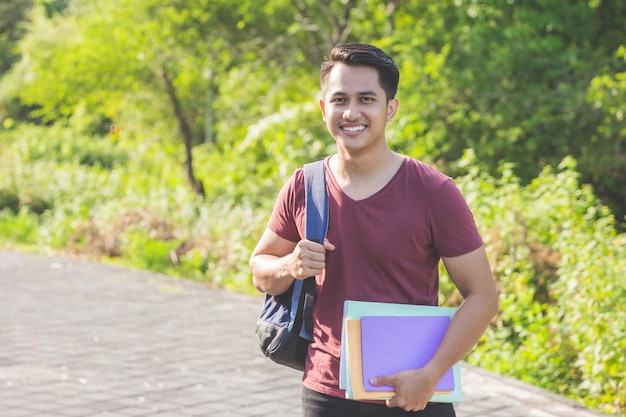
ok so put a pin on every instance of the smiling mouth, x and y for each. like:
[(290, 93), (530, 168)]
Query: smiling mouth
[(353, 129)]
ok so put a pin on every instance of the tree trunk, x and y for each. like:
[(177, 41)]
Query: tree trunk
[(208, 104), (185, 132)]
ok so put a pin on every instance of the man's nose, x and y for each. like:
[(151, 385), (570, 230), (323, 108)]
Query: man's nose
[(352, 112)]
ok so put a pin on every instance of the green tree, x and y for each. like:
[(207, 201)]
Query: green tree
[(182, 63), (12, 15), (114, 58), (511, 80)]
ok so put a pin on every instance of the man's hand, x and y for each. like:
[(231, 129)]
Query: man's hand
[(414, 388), (308, 258), (276, 262)]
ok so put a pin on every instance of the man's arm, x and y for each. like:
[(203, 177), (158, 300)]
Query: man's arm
[(276, 262), (471, 274)]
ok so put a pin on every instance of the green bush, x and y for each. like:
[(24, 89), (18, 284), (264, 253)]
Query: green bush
[(65, 146), (557, 259), (9, 200), (560, 267), (19, 229)]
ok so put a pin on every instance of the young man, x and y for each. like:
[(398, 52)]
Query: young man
[(392, 219)]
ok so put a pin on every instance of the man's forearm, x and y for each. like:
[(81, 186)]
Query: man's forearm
[(270, 274), (466, 328)]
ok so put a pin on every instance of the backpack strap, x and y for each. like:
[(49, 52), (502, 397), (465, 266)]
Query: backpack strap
[(316, 201), (316, 226)]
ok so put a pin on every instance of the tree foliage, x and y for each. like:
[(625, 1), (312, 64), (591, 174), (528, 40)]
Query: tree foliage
[(12, 16), (121, 94), (522, 82)]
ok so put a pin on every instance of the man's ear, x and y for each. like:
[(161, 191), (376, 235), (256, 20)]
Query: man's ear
[(392, 108), (323, 109)]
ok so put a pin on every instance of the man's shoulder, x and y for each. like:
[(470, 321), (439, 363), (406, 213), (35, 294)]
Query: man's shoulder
[(425, 172)]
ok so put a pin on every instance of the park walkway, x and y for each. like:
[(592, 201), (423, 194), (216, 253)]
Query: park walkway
[(85, 339)]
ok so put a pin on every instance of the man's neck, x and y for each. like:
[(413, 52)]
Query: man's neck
[(360, 176)]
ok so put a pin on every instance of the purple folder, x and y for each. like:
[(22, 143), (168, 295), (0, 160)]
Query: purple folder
[(391, 344)]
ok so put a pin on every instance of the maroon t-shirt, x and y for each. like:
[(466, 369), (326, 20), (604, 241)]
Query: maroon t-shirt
[(388, 248)]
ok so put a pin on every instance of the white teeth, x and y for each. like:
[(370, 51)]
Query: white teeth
[(354, 129)]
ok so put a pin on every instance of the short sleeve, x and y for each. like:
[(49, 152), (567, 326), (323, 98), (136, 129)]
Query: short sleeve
[(287, 215), (453, 226)]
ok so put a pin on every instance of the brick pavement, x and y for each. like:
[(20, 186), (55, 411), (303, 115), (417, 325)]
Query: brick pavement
[(85, 339)]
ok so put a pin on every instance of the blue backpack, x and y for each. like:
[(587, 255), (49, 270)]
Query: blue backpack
[(285, 326)]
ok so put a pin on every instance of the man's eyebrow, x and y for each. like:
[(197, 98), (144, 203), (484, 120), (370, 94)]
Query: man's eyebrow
[(361, 93)]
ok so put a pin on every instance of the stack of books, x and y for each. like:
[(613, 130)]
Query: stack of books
[(384, 338)]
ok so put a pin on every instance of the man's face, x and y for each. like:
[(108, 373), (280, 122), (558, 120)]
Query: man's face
[(355, 107)]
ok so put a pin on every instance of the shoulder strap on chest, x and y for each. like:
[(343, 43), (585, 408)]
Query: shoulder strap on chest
[(316, 201)]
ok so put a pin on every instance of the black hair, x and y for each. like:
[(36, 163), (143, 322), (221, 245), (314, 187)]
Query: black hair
[(360, 54)]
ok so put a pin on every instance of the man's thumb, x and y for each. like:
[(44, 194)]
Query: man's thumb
[(380, 380)]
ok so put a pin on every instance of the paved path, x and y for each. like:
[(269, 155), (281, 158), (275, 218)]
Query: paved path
[(85, 339)]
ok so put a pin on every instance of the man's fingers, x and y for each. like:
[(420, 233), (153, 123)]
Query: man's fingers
[(382, 380), (400, 398), (310, 258)]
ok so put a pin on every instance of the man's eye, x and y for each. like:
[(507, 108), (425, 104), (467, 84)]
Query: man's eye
[(367, 99), (339, 100)]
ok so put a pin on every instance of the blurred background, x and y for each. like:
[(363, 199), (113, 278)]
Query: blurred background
[(156, 134)]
